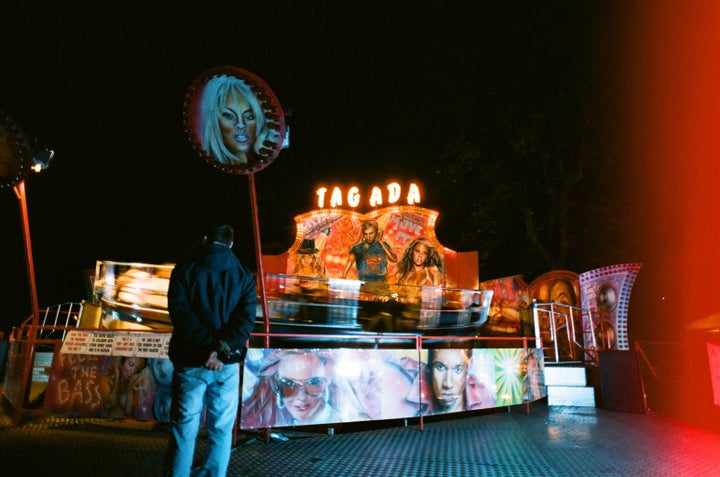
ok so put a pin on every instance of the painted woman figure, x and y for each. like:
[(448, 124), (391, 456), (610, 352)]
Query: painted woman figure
[(293, 389), (120, 389), (421, 265), (233, 128), (308, 264), (298, 387)]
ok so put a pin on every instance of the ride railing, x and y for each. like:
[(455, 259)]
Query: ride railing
[(680, 377), (32, 345), (53, 323), (673, 364), (567, 333)]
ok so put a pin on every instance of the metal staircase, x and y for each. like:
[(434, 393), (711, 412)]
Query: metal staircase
[(571, 367), (571, 385)]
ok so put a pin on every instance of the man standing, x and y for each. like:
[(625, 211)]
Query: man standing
[(212, 300)]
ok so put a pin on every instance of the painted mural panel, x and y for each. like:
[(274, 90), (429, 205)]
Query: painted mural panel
[(606, 293), (293, 387), (510, 313), (385, 246), (111, 374), (116, 387), (560, 324), (589, 309), (376, 248), (234, 120)]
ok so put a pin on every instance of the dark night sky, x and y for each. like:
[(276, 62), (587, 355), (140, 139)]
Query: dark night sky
[(376, 90)]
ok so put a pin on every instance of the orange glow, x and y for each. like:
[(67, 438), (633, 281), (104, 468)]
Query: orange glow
[(670, 72), (676, 146)]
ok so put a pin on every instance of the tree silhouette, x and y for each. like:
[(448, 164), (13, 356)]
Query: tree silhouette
[(545, 190)]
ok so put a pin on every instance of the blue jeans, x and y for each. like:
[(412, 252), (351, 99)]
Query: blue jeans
[(195, 389)]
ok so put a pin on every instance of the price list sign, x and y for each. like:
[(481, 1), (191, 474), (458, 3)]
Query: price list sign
[(145, 345)]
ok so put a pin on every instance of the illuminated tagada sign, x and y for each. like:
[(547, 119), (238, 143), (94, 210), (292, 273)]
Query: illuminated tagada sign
[(391, 194)]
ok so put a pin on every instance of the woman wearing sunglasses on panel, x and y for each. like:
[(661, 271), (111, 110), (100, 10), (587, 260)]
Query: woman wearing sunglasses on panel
[(301, 385), (295, 387)]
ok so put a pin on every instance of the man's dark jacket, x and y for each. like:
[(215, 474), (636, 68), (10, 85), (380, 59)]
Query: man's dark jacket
[(212, 302)]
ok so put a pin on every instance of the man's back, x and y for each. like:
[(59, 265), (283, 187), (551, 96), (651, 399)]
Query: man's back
[(211, 297)]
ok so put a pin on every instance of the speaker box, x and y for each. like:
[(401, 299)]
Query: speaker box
[(621, 385)]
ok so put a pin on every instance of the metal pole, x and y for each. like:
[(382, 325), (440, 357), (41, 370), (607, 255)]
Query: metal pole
[(20, 193), (570, 328), (418, 348), (553, 333), (260, 272), (258, 257), (536, 324)]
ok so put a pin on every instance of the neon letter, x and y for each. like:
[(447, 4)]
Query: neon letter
[(353, 197), (413, 196), (321, 197), (375, 197), (393, 192), (336, 198)]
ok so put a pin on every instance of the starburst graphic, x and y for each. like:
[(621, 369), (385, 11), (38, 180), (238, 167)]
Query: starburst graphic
[(509, 376)]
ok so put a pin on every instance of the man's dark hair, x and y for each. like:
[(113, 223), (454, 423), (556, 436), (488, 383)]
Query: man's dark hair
[(220, 233)]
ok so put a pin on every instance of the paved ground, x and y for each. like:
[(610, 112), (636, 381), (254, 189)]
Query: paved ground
[(550, 441)]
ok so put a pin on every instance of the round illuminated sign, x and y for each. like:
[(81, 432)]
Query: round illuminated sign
[(15, 153), (234, 120)]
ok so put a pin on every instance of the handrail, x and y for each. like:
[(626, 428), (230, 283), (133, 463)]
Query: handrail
[(671, 360), (55, 318), (567, 318), (645, 359)]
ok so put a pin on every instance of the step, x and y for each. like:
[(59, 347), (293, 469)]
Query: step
[(580, 396), (565, 376)]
